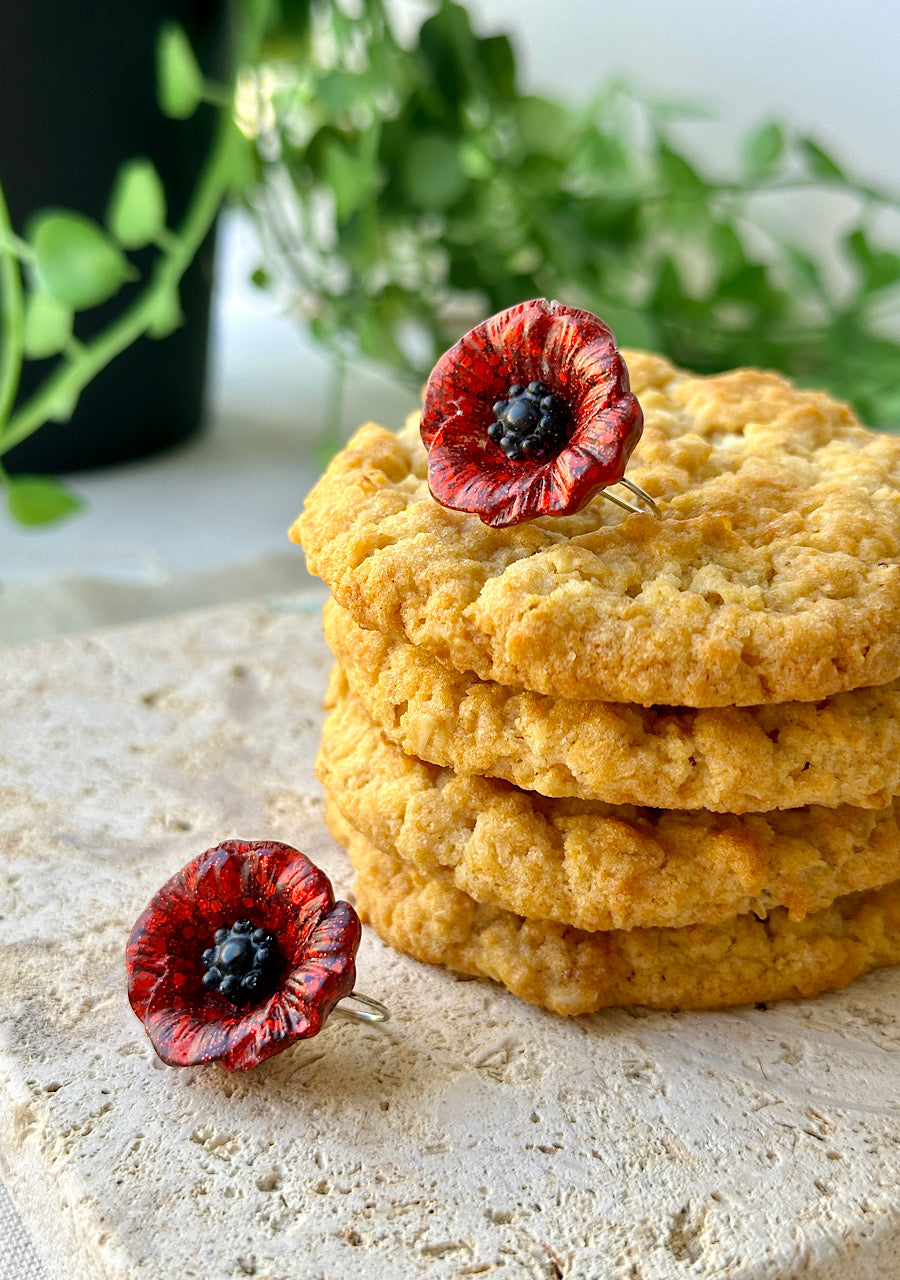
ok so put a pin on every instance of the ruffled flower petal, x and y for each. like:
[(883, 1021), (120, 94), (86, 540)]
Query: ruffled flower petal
[(574, 354), (278, 889)]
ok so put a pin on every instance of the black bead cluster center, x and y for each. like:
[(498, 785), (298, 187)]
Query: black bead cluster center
[(242, 964), (532, 422)]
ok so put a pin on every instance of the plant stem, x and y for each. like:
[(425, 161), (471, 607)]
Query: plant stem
[(67, 382), (12, 317)]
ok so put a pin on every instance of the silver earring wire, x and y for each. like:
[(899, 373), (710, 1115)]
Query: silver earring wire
[(372, 1011), (639, 493)]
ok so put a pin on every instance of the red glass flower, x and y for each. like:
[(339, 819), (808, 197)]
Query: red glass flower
[(529, 414), (241, 906)]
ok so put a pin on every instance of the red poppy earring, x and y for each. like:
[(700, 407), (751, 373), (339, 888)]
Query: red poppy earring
[(240, 954), (530, 414)]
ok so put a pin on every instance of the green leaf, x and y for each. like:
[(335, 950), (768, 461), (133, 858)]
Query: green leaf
[(879, 268), (449, 48), (475, 162), (820, 163), (678, 173), (340, 91), (376, 335), (322, 330), (750, 284), (179, 80), (615, 221), (600, 155), (727, 249), (343, 26), (433, 173), (246, 171), (499, 62), (36, 500), (538, 177), (763, 148), (667, 291), (137, 208), (48, 326), (857, 245), (351, 178), (166, 315), (806, 270), (669, 110), (885, 268), (544, 126), (76, 262)]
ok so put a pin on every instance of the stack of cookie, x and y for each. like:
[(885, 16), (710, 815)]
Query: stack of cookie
[(608, 759)]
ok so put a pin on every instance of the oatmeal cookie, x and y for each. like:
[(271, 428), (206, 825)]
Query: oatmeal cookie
[(845, 750), (741, 961), (593, 865), (772, 576)]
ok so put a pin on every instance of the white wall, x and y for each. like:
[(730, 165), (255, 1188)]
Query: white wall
[(830, 67)]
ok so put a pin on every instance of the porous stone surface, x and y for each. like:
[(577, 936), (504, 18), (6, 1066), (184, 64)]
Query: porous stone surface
[(471, 1135)]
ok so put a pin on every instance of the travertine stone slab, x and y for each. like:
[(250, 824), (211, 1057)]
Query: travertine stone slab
[(471, 1135)]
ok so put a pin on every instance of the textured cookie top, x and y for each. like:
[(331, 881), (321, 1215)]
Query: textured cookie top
[(842, 750), (742, 961), (773, 575), (593, 865)]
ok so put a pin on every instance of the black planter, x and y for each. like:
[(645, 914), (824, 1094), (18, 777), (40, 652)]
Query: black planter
[(77, 98)]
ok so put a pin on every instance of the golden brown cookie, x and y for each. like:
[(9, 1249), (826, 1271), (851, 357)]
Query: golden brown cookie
[(742, 961), (773, 575), (593, 865), (845, 750)]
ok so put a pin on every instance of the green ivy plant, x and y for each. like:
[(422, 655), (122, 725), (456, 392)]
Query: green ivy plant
[(408, 190), (403, 193)]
